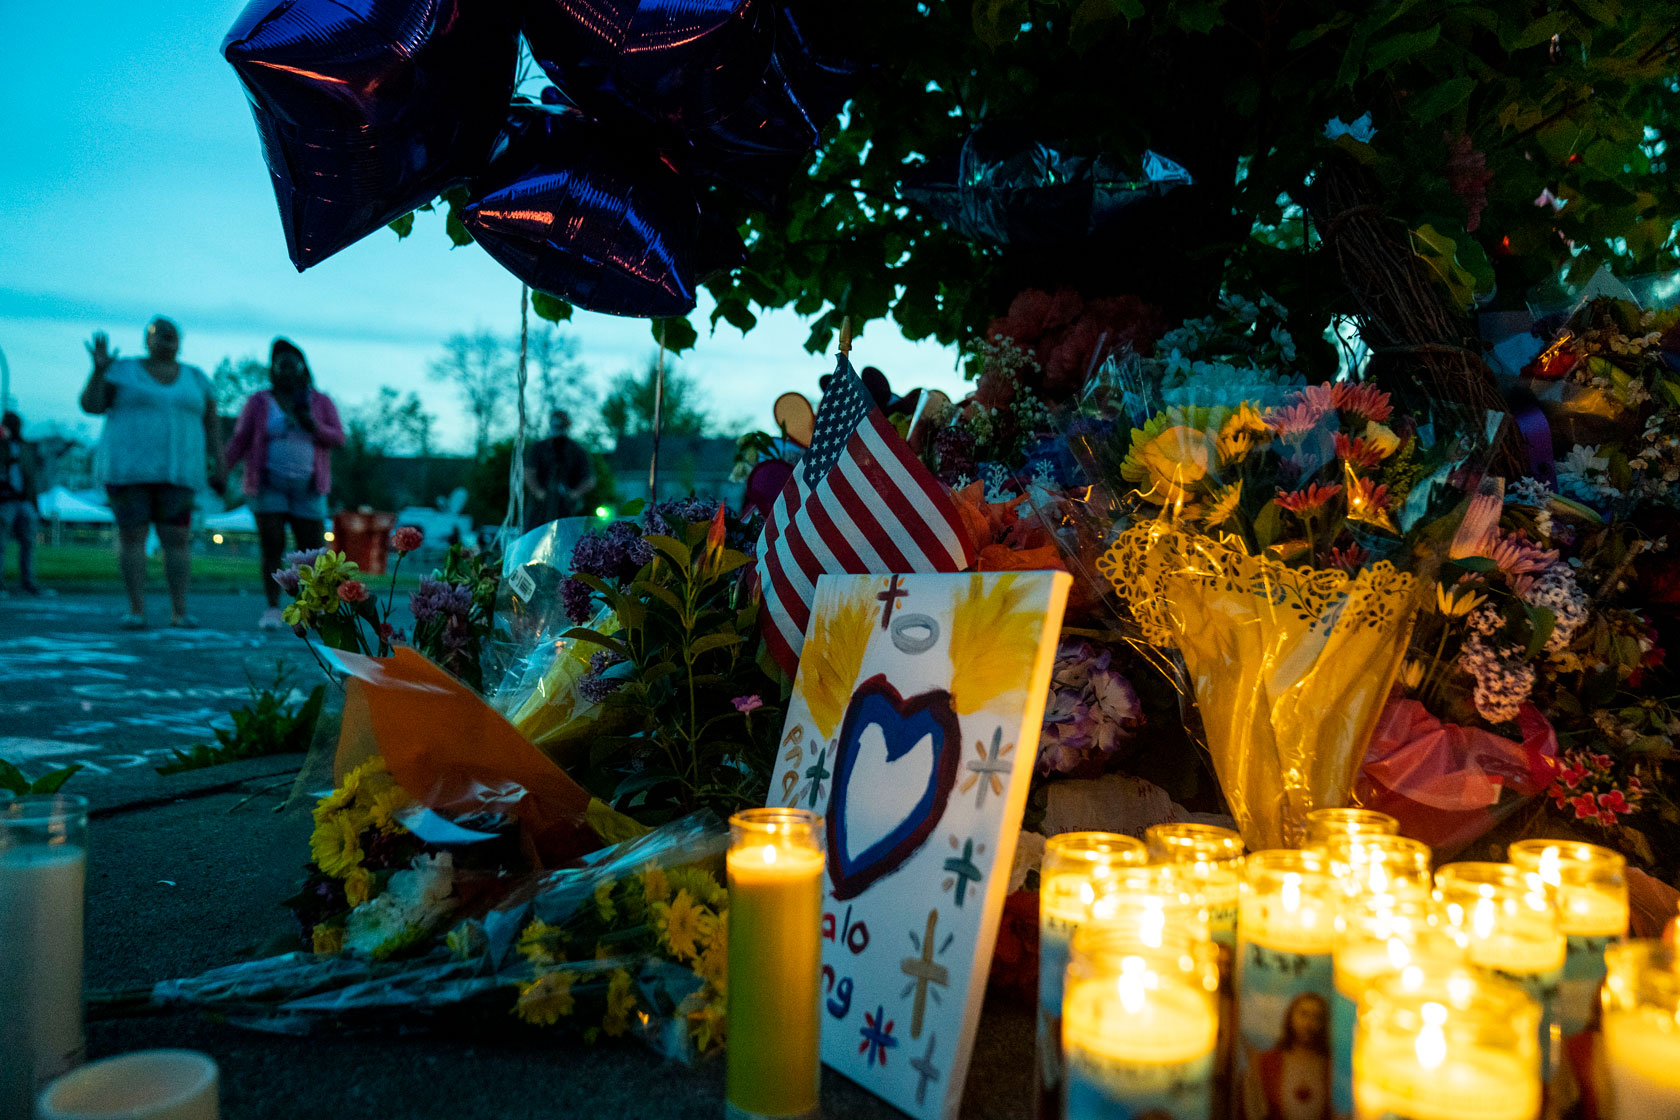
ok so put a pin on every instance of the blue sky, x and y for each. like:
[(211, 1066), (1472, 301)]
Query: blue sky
[(132, 184)]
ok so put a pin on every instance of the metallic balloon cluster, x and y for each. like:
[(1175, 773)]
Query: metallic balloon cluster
[(368, 109)]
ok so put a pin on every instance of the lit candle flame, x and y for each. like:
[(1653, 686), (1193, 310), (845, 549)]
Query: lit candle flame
[(769, 853), (1431, 1040)]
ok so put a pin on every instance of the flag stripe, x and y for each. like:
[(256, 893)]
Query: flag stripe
[(911, 519), (934, 504)]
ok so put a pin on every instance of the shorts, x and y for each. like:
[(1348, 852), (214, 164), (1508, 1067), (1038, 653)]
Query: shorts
[(293, 497), (151, 503)]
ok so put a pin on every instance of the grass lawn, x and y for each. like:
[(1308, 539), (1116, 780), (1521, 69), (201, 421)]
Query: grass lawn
[(93, 567)]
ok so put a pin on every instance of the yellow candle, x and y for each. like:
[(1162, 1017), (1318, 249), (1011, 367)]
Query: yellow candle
[(775, 961), (1077, 873), (1322, 824), (1509, 920), (1378, 868), (1375, 942), (1642, 1030), (1592, 895), (1139, 1026), (1213, 854), (1446, 1047)]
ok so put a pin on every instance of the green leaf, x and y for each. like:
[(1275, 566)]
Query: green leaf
[(1543, 621), (1313, 34), (402, 226), (1475, 563), (632, 507), (12, 779), (1268, 523), (659, 591), (1446, 96), (1387, 51), (584, 634), (679, 552), (676, 333), (552, 308), (711, 642), (1525, 33), (53, 782), (735, 313), (457, 230)]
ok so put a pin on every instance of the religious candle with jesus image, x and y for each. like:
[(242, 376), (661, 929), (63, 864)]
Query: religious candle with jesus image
[(1286, 934)]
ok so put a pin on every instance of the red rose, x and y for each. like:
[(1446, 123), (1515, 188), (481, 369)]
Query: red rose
[(407, 539), (352, 591)]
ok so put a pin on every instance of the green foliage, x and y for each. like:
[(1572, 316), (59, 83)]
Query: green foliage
[(628, 407), (12, 780), (456, 641), (233, 383), (552, 308), (670, 739), (270, 724)]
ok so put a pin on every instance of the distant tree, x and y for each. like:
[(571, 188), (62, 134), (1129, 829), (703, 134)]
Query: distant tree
[(554, 375), (628, 407), (234, 382), (479, 368), (394, 425)]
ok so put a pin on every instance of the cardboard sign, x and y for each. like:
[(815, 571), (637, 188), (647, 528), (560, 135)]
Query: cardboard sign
[(913, 729)]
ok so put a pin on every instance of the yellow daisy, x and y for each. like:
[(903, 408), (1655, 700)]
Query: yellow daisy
[(679, 925), (1225, 503), (709, 1025), (620, 1002), (1242, 432), (326, 940), (544, 1000), (604, 901), (386, 804), (358, 885), (537, 941), (335, 845), (700, 883), (714, 962)]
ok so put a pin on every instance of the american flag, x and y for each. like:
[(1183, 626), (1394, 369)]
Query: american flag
[(858, 503)]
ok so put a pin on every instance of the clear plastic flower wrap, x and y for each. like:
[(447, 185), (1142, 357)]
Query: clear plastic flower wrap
[(632, 939), (1268, 542)]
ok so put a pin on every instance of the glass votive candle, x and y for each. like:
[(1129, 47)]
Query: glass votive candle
[(1215, 855), (1078, 870), (1139, 1023), (1285, 936), (775, 864), (1376, 940), (144, 1085), (1592, 897), (1641, 1009), (1509, 920), (1322, 824), (1379, 867), (43, 875), (1446, 1046)]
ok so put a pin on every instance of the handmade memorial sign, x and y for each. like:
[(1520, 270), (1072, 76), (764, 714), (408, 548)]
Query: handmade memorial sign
[(912, 729)]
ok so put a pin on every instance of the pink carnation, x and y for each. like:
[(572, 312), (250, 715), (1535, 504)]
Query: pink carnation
[(352, 591), (407, 539)]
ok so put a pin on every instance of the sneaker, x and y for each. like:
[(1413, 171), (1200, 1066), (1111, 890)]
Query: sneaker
[(271, 619), (183, 622), (132, 622)]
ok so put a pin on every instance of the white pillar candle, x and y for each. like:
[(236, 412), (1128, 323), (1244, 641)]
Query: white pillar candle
[(42, 883)]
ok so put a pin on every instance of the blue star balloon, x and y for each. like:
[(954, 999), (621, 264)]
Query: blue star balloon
[(369, 108), (570, 208)]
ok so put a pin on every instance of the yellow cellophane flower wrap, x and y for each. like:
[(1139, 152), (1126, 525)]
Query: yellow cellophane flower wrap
[(1290, 666), (554, 708)]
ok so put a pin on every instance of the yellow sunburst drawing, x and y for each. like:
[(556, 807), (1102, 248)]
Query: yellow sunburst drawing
[(994, 640)]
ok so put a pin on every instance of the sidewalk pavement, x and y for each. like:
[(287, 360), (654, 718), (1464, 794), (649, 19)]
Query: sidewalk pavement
[(187, 873)]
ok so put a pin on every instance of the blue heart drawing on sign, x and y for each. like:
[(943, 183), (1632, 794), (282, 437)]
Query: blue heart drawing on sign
[(879, 717)]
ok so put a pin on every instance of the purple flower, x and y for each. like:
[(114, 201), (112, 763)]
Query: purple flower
[(594, 686), (303, 559), (288, 579), (745, 704), (574, 597), (1091, 710), (661, 518), (439, 597), (616, 553)]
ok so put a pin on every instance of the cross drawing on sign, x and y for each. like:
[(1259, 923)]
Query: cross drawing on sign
[(963, 869), (818, 773), (922, 972), (987, 768), (889, 598), (924, 1070)]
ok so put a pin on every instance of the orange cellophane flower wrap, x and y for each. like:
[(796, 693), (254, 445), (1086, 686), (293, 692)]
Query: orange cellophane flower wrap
[(1290, 666), (455, 754)]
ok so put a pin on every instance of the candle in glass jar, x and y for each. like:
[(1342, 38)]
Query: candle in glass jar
[(1322, 824), (1285, 935), (1592, 896), (1374, 942), (1139, 1024), (775, 864), (1378, 869), (1509, 920), (1641, 1027), (1446, 1046), (1077, 873), (1213, 854), (43, 869)]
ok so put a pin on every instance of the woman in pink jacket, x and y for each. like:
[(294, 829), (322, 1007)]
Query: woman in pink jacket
[(285, 436)]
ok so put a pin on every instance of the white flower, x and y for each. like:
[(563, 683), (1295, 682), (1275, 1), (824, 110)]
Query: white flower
[(418, 897), (1582, 460), (1361, 129)]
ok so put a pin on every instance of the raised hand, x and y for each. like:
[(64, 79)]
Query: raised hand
[(101, 352)]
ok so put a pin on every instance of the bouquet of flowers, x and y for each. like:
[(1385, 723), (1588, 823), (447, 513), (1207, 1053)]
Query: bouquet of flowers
[(1272, 536)]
